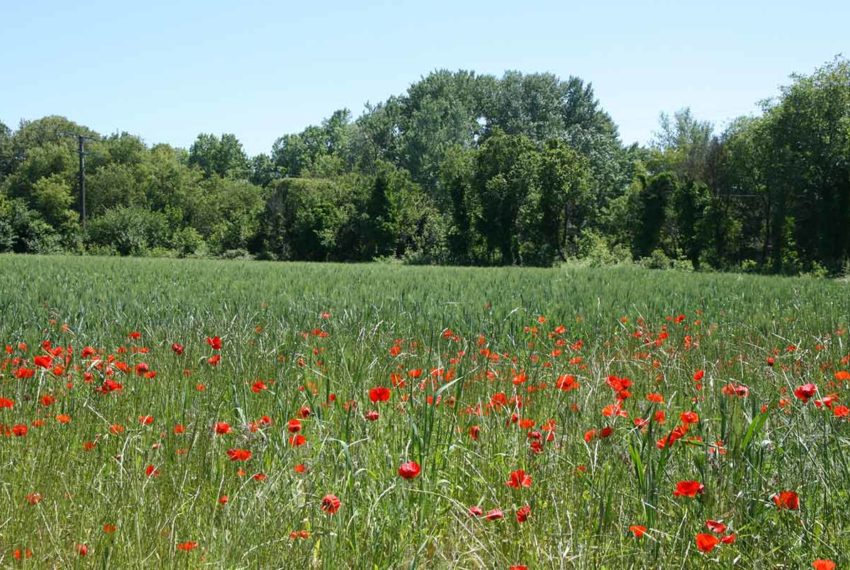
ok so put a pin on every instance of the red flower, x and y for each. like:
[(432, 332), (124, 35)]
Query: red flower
[(177, 348), (330, 504), (567, 383), (409, 470), (294, 426), (258, 386), (222, 428), (688, 489), (297, 440), (523, 513), (187, 546), (638, 530), (706, 542), (6, 403), (716, 527), (239, 454), (82, 549), (379, 394), (214, 342), (787, 500), (494, 515), (518, 479), (151, 471), (805, 392), (689, 417), (372, 415), (475, 511), (823, 565), (214, 360), (20, 430)]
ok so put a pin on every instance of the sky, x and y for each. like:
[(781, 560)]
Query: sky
[(167, 71)]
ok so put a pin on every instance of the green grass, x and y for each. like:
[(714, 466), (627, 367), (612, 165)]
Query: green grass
[(583, 498)]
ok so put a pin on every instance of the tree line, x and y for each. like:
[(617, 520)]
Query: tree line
[(525, 169)]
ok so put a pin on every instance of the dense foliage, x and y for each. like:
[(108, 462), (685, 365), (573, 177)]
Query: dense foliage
[(525, 169)]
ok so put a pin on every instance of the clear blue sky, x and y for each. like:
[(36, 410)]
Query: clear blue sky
[(170, 70)]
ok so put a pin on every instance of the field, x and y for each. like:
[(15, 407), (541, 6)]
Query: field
[(164, 413)]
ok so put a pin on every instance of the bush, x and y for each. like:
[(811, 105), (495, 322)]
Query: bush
[(131, 231), (187, 241), (656, 260)]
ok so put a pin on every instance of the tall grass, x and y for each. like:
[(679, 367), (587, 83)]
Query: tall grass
[(482, 327)]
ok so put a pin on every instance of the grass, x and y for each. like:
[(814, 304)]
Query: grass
[(60, 483)]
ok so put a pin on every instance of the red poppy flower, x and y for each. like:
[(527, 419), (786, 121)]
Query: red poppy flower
[(823, 565), (409, 470), (151, 471), (379, 394), (222, 428), (689, 418), (523, 513), (293, 426), (706, 542), (519, 567), (82, 549), (6, 403), (109, 528), (787, 500), (567, 383), (805, 392), (187, 546), (20, 430), (494, 515), (239, 454), (258, 386), (33, 498), (475, 511), (177, 348), (716, 527), (214, 342), (729, 539), (330, 504), (518, 479), (688, 489), (372, 415), (638, 530)]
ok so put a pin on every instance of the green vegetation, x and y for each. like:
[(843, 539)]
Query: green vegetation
[(461, 169), (114, 443)]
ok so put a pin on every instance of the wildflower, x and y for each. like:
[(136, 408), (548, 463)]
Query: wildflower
[(187, 546), (706, 542), (787, 500), (239, 454), (379, 394), (330, 504), (637, 530), (688, 489), (409, 470), (518, 479), (523, 513), (805, 392), (494, 515)]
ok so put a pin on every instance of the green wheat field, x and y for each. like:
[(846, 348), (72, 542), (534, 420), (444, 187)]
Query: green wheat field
[(240, 414)]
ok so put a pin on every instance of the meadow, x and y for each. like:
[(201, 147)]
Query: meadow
[(164, 413)]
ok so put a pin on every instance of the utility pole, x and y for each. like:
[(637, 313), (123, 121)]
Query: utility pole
[(81, 150), (81, 176)]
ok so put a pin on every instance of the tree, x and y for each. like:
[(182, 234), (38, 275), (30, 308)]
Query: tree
[(221, 156)]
